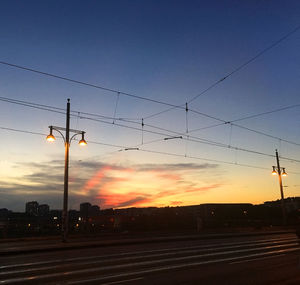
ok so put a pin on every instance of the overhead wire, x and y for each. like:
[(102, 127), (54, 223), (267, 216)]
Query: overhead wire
[(216, 144), (153, 100), (160, 102), (85, 83), (151, 151), (232, 122), (230, 73), (146, 98), (81, 114), (33, 105), (188, 138), (253, 58)]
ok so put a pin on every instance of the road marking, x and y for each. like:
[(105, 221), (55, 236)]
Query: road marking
[(208, 246), (255, 259), (211, 252), (156, 262), (164, 268), (118, 282)]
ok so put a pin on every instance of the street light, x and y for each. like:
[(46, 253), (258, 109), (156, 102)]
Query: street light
[(67, 142), (280, 171), (82, 142), (51, 137), (283, 172)]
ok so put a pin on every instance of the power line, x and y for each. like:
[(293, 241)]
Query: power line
[(56, 109), (152, 100), (86, 84), (265, 113), (48, 108), (153, 151), (22, 131), (253, 58), (212, 143), (265, 134), (102, 88), (80, 113), (32, 105), (230, 73), (202, 158), (144, 150), (188, 138), (247, 117)]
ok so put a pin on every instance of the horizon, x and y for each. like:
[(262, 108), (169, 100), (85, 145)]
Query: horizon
[(123, 208)]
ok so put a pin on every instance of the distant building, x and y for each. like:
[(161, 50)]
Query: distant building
[(85, 209), (43, 210), (94, 211), (4, 213), (31, 208)]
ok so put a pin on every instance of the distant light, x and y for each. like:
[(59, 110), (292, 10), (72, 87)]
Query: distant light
[(55, 218), (77, 225), (274, 172), (29, 225), (79, 219)]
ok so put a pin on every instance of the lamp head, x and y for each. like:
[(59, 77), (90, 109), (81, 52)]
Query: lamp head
[(82, 142), (283, 172), (274, 172), (50, 137)]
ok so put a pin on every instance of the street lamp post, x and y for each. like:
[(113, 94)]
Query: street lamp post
[(67, 142), (280, 171)]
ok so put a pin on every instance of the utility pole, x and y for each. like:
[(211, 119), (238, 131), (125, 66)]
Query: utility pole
[(280, 171), (65, 220)]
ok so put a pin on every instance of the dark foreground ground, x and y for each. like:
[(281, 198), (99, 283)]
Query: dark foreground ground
[(213, 259)]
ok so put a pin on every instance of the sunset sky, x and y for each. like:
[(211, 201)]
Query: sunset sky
[(168, 51)]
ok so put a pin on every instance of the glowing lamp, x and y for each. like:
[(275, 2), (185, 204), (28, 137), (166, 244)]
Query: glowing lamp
[(283, 172), (50, 137), (274, 172), (82, 142)]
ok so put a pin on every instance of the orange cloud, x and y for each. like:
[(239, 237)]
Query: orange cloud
[(204, 188), (95, 180), (116, 186)]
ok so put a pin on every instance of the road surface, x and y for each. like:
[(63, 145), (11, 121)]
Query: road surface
[(270, 259)]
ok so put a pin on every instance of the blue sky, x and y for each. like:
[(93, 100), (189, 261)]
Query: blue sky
[(164, 50)]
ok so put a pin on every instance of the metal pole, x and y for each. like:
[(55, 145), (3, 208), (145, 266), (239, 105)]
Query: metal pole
[(281, 190), (65, 218)]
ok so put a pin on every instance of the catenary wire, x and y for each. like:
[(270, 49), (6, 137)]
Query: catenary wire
[(151, 151), (145, 98), (229, 74), (197, 141), (188, 138), (86, 84)]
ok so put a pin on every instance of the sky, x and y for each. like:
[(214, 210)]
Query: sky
[(167, 52)]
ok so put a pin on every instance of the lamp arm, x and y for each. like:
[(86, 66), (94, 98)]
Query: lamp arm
[(72, 137), (60, 133)]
